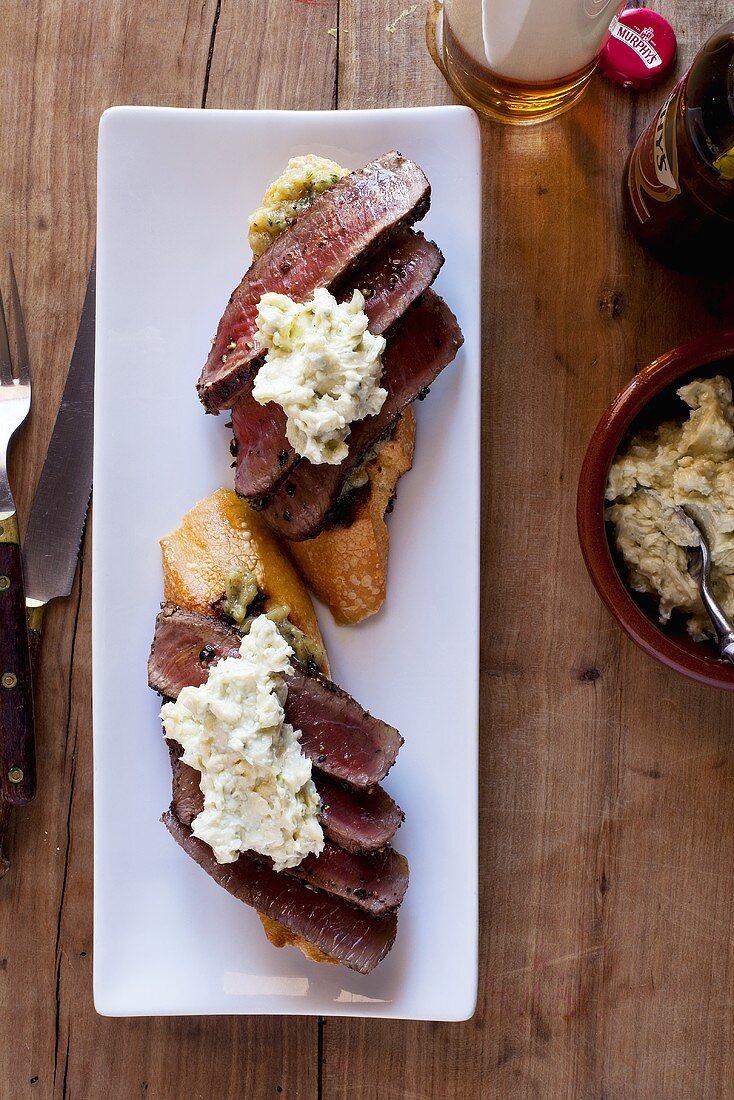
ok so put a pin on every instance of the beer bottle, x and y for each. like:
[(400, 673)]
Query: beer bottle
[(678, 186)]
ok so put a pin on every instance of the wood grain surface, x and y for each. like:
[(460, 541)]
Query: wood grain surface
[(607, 793)]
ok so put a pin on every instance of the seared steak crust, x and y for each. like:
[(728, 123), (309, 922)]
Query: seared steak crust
[(328, 237)]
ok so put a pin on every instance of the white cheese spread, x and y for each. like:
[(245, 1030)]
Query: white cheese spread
[(256, 782), (322, 366), (693, 464)]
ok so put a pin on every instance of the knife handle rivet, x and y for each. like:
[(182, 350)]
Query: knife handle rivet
[(4, 583), (9, 680), (15, 775)]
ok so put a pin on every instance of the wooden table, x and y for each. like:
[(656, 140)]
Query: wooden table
[(607, 793)]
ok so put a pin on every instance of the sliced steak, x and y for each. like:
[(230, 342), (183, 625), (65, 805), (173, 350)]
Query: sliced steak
[(343, 932), (427, 340), (186, 797), (262, 453), (373, 881), (357, 821), (402, 269), (185, 644), (325, 240), (340, 737), (337, 734), (393, 278)]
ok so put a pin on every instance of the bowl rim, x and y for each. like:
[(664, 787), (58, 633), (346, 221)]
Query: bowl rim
[(590, 505)]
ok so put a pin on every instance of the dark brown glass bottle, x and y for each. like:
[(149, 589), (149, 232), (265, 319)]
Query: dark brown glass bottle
[(678, 186)]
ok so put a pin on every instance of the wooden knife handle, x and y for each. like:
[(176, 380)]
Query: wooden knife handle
[(17, 734)]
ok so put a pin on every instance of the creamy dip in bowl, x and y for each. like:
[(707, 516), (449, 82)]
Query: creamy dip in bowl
[(628, 588), (688, 462)]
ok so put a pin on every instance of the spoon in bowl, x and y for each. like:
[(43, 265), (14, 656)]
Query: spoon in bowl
[(701, 573)]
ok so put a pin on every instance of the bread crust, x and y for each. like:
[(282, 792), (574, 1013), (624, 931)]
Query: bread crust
[(280, 936), (223, 533), (346, 567)]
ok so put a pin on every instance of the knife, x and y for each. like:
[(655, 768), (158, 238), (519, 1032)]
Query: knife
[(56, 525)]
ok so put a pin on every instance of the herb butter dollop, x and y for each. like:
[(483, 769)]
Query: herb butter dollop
[(322, 366), (689, 463), (303, 179), (256, 782)]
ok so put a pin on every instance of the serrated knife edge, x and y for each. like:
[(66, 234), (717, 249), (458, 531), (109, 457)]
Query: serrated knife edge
[(58, 514)]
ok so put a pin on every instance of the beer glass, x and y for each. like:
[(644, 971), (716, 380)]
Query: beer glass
[(519, 60)]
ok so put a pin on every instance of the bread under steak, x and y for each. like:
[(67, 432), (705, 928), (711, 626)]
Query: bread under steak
[(354, 235)]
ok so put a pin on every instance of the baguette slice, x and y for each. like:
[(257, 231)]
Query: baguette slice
[(346, 566), (220, 534)]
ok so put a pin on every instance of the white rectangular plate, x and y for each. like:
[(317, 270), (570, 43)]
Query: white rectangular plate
[(175, 189)]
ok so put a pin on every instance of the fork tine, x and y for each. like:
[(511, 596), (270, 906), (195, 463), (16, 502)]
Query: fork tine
[(24, 366), (6, 363)]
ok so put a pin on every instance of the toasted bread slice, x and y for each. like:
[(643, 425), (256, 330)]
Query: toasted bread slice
[(223, 533), (346, 567)]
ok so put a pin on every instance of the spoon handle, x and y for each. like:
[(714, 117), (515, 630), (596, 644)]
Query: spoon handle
[(722, 624)]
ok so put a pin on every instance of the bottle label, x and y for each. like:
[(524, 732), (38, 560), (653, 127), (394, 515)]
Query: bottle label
[(653, 167), (641, 42)]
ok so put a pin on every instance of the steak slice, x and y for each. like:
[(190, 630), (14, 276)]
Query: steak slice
[(390, 281), (343, 932), (337, 734), (373, 881), (329, 236), (187, 801), (392, 278), (427, 340), (340, 737), (357, 821), (185, 644)]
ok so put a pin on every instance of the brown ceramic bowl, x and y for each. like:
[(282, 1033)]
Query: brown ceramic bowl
[(646, 401)]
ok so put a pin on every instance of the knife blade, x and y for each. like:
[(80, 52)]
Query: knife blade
[(56, 525)]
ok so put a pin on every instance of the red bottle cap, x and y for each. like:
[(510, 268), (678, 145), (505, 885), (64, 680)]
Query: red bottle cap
[(641, 49)]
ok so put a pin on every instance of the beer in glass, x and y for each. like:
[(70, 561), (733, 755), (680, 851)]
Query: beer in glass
[(520, 60)]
